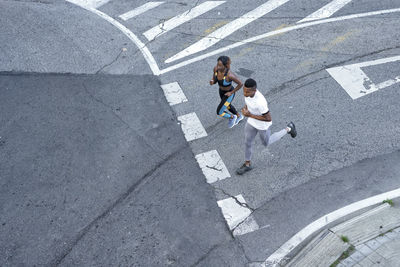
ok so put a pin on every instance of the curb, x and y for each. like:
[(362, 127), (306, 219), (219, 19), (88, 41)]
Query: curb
[(280, 256)]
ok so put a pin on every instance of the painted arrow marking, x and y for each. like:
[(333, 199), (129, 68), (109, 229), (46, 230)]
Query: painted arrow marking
[(356, 83)]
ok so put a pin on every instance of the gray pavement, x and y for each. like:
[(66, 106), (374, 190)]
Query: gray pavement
[(95, 171), (90, 171)]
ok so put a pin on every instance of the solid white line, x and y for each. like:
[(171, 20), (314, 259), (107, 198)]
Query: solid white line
[(173, 93), (326, 11), (142, 47), (228, 29), (139, 10), (192, 127), (212, 166), (180, 19), (317, 225), (355, 82), (89, 3), (272, 33)]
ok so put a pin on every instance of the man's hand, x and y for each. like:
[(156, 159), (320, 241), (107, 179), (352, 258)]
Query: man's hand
[(228, 94), (246, 112), (212, 82)]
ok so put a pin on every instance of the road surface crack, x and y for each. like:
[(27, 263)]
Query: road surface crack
[(112, 62), (60, 258), (142, 139)]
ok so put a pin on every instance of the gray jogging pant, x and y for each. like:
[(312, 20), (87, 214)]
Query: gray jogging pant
[(265, 135)]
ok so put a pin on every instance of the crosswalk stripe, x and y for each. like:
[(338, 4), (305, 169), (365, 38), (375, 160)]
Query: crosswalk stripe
[(173, 93), (237, 215), (212, 166), (90, 3), (180, 19), (192, 127), (275, 33), (326, 11), (139, 10), (228, 29)]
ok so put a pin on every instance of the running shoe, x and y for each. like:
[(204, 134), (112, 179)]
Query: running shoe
[(239, 119), (232, 121), (292, 131), (244, 168)]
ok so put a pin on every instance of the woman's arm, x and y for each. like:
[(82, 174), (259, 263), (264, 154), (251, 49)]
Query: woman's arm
[(234, 78), (213, 81)]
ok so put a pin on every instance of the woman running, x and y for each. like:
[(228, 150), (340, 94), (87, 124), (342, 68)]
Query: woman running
[(224, 77)]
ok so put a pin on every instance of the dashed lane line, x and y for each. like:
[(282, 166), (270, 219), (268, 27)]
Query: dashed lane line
[(139, 10), (174, 93), (186, 16), (234, 209), (326, 11), (192, 127), (212, 166)]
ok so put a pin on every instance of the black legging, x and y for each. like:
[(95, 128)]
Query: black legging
[(226, 104)]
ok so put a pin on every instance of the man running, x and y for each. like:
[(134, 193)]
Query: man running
[(259, 121)]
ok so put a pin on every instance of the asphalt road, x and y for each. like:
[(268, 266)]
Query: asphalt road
[(90, 148)]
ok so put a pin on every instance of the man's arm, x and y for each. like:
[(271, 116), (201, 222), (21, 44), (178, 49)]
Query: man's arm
[(263, 117)]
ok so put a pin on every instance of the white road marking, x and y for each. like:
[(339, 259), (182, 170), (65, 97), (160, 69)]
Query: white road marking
[(355, 82), (326, 11), (212, 166), (228, 29), (139, 10), (247, 226), (142, 47), (180, 19), (192, 127), (237, 215), (276, 32), (89, 3), (317, 225), (174, 93)]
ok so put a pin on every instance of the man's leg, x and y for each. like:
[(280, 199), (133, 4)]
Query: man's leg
[(268, 139), (249, 135)]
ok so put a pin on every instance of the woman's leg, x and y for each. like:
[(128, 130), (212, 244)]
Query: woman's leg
[(231, 108), (224, 104)]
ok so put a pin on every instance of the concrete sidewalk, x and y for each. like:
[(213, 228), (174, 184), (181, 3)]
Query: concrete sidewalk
[(371, 238)]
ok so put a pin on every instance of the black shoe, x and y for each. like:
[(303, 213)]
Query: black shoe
[(292, 131), (244, 168)]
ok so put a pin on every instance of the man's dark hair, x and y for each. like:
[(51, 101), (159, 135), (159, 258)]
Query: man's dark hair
[(224, 60), (250, 83)]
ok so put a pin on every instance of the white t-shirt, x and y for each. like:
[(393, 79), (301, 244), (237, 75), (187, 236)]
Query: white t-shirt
[(257, 105)]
